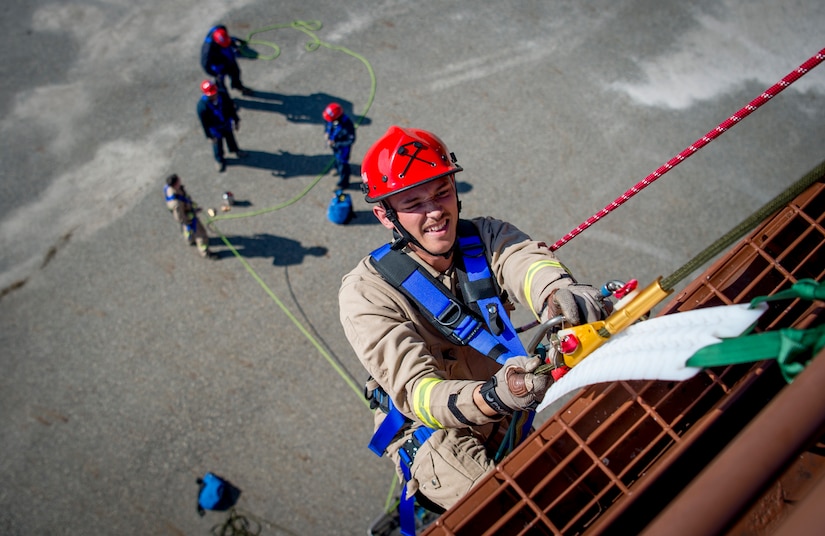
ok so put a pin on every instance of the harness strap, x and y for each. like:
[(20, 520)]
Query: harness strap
[(455, 320), (479, 288), (171, 194), (388, 429), (406, 507), (406, 511)]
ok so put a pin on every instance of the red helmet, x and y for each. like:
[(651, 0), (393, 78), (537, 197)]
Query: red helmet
[(209, 88), (221, 36), (404, 158), (333, 111)]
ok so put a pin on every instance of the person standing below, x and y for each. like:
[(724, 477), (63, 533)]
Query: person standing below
[(340, 134), (218, 118), (428, 317), (185, 213), (219, 58)]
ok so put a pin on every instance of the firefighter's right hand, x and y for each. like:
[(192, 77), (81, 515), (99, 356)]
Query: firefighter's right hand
[(579, 304), (515, 387)]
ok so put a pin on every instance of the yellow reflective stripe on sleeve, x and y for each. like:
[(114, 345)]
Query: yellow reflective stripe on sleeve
[(528, 280), (421, 402)]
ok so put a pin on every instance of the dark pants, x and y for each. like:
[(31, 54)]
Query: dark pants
[(229, 69), (342, 166), (217, 144), (234, 73)]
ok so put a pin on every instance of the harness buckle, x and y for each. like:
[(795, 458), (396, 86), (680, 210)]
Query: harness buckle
[(377, 398), (408, 451), (410, 447), (450, 315)]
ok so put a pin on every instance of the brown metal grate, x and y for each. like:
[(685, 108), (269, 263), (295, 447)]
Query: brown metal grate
[(616, 454)]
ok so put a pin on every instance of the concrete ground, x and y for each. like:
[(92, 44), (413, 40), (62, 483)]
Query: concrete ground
[(130, 366)]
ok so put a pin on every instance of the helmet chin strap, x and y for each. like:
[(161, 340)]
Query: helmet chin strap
[(403, 237)]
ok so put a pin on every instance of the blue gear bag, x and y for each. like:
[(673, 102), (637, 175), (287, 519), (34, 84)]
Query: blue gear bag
[(212, 492), (340, 208)]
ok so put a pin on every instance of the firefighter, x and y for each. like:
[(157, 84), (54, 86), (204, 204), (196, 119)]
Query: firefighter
[(218, 118), (218, 58), (439, 398), (185, 213), (340, 135)]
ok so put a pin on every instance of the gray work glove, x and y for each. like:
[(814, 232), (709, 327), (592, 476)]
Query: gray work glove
[(515, 387), (578, 304)]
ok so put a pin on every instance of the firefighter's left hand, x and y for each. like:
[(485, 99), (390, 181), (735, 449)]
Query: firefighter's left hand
[(514, 387), (579, 304)]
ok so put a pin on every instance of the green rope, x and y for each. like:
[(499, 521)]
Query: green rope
[(309, 28), (743, 228), (389, 505), (314, 44), (341, 372)]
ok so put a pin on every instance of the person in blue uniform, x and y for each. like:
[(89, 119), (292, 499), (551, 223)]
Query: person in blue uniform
[(340, 134), (218, 118), (218, 58)]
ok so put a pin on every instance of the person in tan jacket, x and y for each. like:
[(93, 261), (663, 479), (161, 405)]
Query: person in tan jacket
[(446, 398), (185, 213)]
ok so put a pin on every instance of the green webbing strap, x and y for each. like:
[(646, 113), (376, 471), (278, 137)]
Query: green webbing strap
[(792, 348), (807, 289)]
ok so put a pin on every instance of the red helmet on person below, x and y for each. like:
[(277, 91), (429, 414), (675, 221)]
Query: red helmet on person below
[(221, 36), (209, 88), (333, 111), (402, 159)]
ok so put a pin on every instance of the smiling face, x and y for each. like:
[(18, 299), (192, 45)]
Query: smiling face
[(430, 214)]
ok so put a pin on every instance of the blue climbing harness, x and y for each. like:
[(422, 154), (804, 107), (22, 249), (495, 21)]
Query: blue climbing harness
[(171, 194), (479, 321), (463, 323)]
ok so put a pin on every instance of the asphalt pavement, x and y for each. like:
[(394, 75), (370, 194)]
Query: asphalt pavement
[(130, 366)]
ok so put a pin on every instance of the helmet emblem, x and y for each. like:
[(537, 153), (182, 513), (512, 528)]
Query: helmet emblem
[(403, 151)]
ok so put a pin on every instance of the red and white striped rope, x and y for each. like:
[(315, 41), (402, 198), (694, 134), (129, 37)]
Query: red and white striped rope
[(695, 146)]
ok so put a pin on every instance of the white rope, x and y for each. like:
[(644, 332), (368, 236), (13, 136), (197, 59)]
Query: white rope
[(656, 349)]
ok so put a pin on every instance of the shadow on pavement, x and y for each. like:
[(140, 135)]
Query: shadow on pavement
[(284, 251), (296, 108), (283, 163)]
